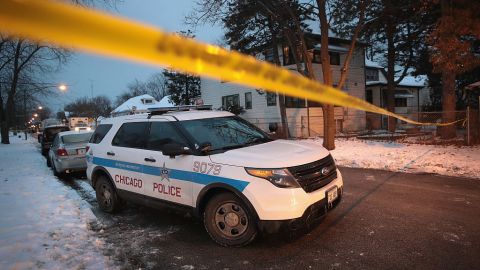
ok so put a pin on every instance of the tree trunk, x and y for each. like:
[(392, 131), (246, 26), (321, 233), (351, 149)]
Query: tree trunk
[(390, 32), (328, 110), (3, 124), (448, 101), (281, 97), (329, 126)]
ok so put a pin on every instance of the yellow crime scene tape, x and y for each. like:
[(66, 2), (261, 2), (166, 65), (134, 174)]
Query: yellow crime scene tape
[(78, 28)]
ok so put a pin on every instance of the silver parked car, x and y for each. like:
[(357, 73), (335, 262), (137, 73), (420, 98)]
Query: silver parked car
[(67, 153)]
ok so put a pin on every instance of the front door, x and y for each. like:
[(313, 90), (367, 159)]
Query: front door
[(167, 178)]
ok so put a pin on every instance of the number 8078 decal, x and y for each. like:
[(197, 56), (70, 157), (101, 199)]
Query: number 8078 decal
[(207, 168)]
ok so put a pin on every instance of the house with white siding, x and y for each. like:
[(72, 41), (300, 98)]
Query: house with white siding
[(305, 118), (411, 94)]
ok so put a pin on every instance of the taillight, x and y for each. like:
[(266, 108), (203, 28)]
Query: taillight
[(87, 148), (62, 152)]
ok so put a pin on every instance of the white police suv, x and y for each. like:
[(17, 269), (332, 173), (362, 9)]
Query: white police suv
[(216, 165)]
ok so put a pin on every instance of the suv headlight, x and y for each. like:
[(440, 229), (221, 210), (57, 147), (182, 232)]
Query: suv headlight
[(279, 177)]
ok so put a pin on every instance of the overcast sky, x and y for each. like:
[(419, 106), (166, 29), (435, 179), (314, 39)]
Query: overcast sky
[(110, 76)]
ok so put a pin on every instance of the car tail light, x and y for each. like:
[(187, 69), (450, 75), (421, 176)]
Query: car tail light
[(87, 148), (62, 152)]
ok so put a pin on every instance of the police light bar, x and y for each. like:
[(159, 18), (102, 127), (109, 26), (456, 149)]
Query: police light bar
[(163, 110)]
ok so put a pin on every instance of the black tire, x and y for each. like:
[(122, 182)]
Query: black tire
[(49, 163), (54, 169), (107, 196), (229, 222)]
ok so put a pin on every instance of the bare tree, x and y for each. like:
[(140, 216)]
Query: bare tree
[(24, 60), (156, 86), (287, 16)]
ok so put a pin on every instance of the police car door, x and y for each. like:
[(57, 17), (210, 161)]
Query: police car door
[(167, 178), (125, 156)]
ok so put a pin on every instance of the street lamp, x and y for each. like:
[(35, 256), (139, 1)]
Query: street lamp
[(35, 115), (62, 87), (40, 107)]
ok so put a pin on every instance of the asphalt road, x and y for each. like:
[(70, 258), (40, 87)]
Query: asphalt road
[(385, 221)]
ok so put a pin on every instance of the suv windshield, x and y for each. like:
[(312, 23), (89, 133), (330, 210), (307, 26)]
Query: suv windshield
[(224, 133)]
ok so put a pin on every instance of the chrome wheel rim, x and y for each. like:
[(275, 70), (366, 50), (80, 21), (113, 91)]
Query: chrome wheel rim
[(231, 220)]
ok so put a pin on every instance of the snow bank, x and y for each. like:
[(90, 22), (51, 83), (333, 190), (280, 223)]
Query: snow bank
[(44, 223), (413, 158)]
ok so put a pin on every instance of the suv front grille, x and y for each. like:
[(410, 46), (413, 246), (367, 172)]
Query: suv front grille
[(310, 176)]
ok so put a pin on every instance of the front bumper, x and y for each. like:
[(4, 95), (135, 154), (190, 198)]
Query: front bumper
[(272, 203), (312, 215)]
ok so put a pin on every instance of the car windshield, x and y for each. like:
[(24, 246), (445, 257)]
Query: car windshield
[(224, 133), (76, 138)]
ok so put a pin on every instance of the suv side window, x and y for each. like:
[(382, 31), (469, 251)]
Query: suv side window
[(100, 133), (55, 141), (132, 135), (162, 133)]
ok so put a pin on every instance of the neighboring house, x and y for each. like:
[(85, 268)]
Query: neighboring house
[(411, 94), (141, 104), (304, 119)]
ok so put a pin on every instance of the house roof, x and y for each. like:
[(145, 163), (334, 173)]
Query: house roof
[(138, 103), (166, 101), (372, 64), (419, 81), (473, 85)]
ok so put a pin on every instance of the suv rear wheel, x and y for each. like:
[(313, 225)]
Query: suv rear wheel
[(106, 194), (228, 221)]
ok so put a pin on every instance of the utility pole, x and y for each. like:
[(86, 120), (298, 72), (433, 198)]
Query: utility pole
[(91, 88)]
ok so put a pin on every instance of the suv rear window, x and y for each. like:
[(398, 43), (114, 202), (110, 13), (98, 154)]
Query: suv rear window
[(51, 132), (132, 135), (76, 138), (100, 133)]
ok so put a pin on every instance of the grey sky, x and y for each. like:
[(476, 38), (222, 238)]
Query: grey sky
[(110, 76)]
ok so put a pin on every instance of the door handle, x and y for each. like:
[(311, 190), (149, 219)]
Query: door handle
[(111, 153), (150, 159)]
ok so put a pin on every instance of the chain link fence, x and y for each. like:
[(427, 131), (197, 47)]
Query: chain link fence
[(375, 126)]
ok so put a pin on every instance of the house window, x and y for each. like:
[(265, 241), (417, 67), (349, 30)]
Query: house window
[(248, 100), (293, 102), (271, 99), (334, 57), (288, 56), (400, 102), (312, 103), (269, 56), (371, 74), (229, 101), (369, 95), (147, 101)]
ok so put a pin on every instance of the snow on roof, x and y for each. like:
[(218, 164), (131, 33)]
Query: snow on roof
[(370, 63), (409, 81), (166, 101), (473, 85), (415, 81), (141, 103), (333, 48)]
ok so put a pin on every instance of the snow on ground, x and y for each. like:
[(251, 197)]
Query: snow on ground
[(414, 158), (43, 223)]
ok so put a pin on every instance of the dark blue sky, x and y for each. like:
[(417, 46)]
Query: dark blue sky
[(110, 76)]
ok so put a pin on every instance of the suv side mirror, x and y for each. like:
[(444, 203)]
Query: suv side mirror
[(174, 149)]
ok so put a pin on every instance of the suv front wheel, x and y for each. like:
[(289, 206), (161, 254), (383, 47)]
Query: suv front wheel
[(228, 221), (106, 194)]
